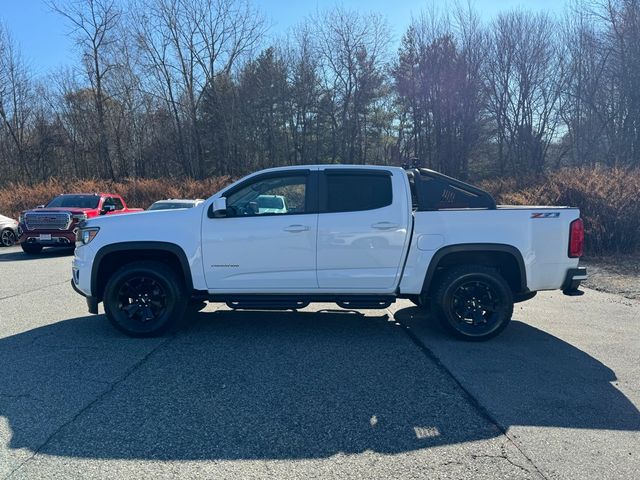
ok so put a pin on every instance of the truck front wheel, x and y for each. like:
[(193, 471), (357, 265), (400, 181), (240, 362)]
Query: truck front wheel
[(473, 302), (144, 299)]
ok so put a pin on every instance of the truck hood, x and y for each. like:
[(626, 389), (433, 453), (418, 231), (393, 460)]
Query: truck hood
[(72, 210), (153, 220)]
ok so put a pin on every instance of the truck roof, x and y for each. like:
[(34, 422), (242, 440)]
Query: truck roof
[(94, 194), (330, 165), (180, 200)]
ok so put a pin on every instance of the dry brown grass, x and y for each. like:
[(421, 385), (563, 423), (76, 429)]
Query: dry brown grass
[(607, 198), (139, 193)]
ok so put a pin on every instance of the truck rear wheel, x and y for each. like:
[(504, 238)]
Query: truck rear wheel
[(31, 248), (473, 302), (144, 299)]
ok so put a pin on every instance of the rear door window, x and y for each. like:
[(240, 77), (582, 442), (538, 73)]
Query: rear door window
[(118, 203), (352, 192)]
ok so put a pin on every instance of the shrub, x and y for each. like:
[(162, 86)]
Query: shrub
[(139, 193), (607, 198)]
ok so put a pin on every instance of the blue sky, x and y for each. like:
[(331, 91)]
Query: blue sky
[(42, 37)]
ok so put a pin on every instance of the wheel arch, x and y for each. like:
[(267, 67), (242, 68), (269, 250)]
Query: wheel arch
[(506, 258), (111, 257)]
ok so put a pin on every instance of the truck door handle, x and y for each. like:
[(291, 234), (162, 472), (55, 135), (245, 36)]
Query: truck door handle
[(385, 226), (296, 228)]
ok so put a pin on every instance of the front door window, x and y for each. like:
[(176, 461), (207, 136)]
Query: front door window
[(269, 196)]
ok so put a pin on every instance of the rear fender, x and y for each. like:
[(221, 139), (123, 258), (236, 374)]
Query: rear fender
[(477, 248)]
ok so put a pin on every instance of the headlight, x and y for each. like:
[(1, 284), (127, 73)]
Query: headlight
[(85, 235), (21, 218), (79, 216)]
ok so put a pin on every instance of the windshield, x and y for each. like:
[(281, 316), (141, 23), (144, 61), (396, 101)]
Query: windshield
[(170, 205), (77, 201)]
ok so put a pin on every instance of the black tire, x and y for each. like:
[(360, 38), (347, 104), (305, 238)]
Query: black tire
[(7, 238), (473, 302), (145, 299), (31, 248)]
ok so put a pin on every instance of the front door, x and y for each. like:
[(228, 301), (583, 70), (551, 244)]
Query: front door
[(267, 241)]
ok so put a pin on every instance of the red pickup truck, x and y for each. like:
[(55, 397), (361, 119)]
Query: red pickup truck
[(55, 224)]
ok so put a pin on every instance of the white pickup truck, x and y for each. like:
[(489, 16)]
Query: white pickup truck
[(359, 236)]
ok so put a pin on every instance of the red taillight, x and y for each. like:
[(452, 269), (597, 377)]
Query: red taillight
[(576, 238)]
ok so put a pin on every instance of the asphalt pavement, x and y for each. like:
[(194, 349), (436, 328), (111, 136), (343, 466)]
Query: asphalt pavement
[(321, 393)]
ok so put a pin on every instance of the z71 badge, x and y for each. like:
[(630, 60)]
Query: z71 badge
[(545, 215)]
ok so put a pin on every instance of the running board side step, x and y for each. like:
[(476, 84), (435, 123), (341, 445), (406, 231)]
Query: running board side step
[(266, 305), (296, 302), (358, 304)]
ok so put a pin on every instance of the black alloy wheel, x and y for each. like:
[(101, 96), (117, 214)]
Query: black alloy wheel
[(144, 299)]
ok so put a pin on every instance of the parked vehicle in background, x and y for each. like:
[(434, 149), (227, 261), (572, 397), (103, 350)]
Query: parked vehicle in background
[(271, 204), (175, 203), (55, 224), (359, 236), (9, 231)]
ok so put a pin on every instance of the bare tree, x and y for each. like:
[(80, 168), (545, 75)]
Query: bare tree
[(610, 71), (586, 57), (525, 78), (304, 91), (16, 103), (94, 23), (352, 48), (185, 45), (75, 118), (438, 79)]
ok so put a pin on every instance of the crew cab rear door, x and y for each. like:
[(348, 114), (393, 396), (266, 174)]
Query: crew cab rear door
[(267, 241), (363, 228)]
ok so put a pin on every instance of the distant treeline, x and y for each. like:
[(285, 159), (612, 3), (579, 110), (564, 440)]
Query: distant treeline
[(195, 88)]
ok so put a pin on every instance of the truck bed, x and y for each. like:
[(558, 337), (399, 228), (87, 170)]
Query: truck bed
[(534, 231)]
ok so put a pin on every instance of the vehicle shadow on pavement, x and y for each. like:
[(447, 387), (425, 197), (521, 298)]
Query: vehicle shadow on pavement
[(526, 376), (12, 255), (274, 385)]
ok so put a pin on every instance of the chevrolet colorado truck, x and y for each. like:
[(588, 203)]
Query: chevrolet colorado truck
[(359, 236), (55, 224)]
